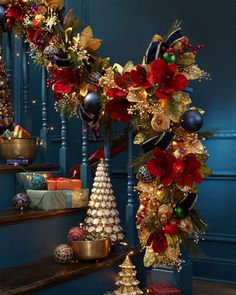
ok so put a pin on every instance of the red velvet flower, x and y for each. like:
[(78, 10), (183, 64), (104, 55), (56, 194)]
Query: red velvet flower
[(34, 35), (139, 77), (186, 170), (118, 106), (161, 165), (166, 78), (123, 81), (158, 241), (15, 12), (65, 81), (172, 229)]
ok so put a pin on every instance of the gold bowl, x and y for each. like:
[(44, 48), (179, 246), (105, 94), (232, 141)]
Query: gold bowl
[(91, 250), (16, 148)]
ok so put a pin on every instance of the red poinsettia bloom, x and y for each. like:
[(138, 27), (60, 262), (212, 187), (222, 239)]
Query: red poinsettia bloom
[(139, 77), (158, 241), (123, 81), (187, 170), (166, 78), (16, 12), (66, 81), (161, 165), (118, 105), (34, 35)]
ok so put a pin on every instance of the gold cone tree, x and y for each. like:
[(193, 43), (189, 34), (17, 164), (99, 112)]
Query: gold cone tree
[(127, 282), (102, 216)]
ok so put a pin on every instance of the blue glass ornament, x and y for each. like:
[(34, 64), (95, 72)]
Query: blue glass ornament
[(192, 121), (94, 78), (92, 103), (2, 15), (21, 201), (50, 51), (143, 175), (38, 182)]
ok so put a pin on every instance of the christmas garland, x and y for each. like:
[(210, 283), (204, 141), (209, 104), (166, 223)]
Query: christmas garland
[(151, 96)]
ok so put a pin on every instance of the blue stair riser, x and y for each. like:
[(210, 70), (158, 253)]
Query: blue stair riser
[(32, 240)]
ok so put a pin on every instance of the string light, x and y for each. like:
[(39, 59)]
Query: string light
[(18, 54), (34, 101)]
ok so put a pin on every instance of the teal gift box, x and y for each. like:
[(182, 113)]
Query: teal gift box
[(54, 200)]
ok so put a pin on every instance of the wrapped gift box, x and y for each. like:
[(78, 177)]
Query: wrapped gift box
[(59, 199), (24, 178), (163, 289), (64, 184)]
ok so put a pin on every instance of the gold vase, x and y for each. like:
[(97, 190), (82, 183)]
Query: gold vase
[(91, 250), (16, 148)]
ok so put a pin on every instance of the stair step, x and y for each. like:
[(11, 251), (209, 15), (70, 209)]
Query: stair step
[(46, 272), (4, 168), (11, 215)]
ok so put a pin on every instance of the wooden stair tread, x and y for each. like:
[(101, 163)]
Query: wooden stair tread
[(12, 216), (4, 168), (46, 272)]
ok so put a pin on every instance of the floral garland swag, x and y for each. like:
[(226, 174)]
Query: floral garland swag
[(150, 96)]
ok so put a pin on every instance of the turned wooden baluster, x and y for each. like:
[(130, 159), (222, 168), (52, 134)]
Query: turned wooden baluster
[(107, 151), (64, 155), (131, 207), (44, 129), (27, 118), (85, 168)]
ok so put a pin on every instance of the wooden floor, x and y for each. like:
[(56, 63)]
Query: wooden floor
[(206, 288)]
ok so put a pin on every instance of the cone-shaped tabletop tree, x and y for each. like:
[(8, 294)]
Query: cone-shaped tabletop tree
[(127, 282), (6, 111), (102, 215)]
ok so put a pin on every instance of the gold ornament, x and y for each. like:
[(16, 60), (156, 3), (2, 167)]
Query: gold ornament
[(107, 81), (160, 122), (55, 4), (164, 213), (40, 19), (186, 225), (5, 2)]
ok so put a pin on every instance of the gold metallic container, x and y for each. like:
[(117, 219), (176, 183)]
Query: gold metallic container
[(16, 148), (91, 250)]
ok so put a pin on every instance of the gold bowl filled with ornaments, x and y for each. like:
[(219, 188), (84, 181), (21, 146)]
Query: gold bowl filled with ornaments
[(91, 250), (18, 145)]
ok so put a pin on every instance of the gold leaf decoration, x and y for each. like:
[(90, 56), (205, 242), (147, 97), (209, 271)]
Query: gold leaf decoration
[(87, 41)]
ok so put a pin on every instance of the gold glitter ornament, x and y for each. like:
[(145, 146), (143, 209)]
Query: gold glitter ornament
[(160, 122), (186, 225), (164, 213), (40, 19), (55, 4)]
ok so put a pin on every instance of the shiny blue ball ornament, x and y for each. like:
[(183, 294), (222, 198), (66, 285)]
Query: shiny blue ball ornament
[(143, 175), (21, 201), (92, 103), (2, 15), (38, 182), (192, 121)]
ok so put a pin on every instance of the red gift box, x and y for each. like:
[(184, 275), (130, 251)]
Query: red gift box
[(163, 289), (64, 184)]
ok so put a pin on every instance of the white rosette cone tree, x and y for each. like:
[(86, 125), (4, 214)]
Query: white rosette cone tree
[(102, 216)]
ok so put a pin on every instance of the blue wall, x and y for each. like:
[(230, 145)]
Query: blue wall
[(126, 28)]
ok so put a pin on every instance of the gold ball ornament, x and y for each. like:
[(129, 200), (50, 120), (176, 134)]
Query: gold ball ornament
[(40, 19), (160, 122), (164, 213), (186, 225), (5, 2), (55, 4)]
